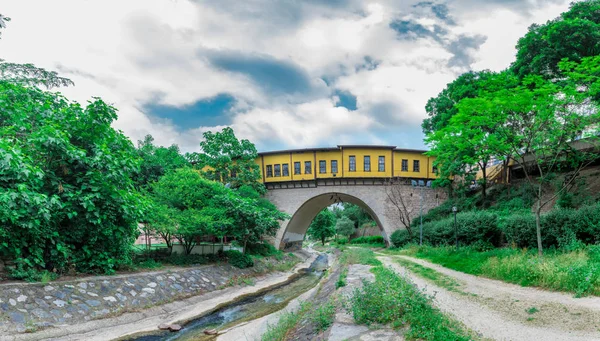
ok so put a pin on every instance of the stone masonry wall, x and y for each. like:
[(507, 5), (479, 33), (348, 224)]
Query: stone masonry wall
[(27, 307)]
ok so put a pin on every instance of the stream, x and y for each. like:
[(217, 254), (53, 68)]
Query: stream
[(248, 309)]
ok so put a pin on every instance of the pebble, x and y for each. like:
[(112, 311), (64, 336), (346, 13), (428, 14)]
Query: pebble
[(22, 298), (152, 285), (59, 303), (110, 299)]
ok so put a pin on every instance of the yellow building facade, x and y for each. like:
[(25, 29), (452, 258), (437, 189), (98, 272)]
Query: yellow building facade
[(346, 161)]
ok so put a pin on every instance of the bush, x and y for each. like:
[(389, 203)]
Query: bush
[(368, 240), (261, 249), (342, 241), (400, 238), (561, 228), (472, 227), (238, 259)]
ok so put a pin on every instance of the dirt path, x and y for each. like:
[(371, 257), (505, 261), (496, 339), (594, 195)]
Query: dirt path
[(501, 311)]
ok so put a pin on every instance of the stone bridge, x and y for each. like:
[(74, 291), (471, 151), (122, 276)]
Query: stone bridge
[(304, 200)]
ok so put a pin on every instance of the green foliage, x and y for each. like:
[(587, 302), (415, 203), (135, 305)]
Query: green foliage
[(192, 202), (323, 316), (238, 259), (23, 272), (341, 282), (472, 227), (355, 213), (359, 255), (341, 241), (344, 226), (374, 240), (251, 218), (226, 159), (262, 249), (400, 238), (392, 299), (573, 271), (574, 35), (286, 323), (563, 228), (66, 194), (157, 161), (323, 226)]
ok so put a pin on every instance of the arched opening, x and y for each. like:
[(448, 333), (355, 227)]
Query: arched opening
[(298, 225)]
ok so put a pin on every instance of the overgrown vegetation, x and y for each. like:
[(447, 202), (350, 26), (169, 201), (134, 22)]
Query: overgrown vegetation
[(286, 323), (324, 315), (575, 271), (392, 299), (358, 255)]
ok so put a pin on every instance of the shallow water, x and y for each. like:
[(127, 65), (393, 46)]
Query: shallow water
[(247, 309)]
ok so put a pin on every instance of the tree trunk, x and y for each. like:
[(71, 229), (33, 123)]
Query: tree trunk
[(245, 243), (484, 184), (538, 226), (323, 241)]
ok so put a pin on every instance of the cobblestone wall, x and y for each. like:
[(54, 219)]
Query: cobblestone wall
[(27, 307)]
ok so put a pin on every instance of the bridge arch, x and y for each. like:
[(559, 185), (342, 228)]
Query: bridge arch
[(303, 205), (297, 226)]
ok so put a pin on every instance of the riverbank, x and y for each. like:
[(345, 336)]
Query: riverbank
[(217, 290)]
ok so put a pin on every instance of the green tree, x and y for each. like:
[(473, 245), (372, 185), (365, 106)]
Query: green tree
[(574, 35), (442, 107), (67, 199), (157, 161), (344, 226), (252, 217), (194, 203), (226, 159), (323, 226), (541, 123)]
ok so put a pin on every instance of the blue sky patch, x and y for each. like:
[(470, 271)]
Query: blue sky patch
[(206, 112), (347, 99)]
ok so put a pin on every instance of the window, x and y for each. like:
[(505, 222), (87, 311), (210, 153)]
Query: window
[(322, 166), (334, 166), (277, 170), (233, 174), (269, 171), (297, 168), (405, 165), (286, 169), (416, 167), (367, 163), (434, 169), (352, 163), (381, 164), (307, 167)]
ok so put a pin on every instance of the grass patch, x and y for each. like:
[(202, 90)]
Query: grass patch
[(341, 282), (286, 323), (532, 310), (572, 271), (324, 315), (358, 256), (437, 278), (392, 299)]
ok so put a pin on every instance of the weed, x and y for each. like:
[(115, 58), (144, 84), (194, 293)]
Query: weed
[(341, 282), (324, 315), (358, 255), (392, 299), (532, 310), (430, 274), (286, 323)]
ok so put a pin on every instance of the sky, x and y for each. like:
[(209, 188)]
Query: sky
[(283, 74)]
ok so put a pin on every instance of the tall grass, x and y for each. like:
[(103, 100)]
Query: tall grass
[(392, 299), (572, 271), (358, 255)]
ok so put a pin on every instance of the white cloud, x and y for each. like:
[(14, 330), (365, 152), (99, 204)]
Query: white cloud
[(135, 52)]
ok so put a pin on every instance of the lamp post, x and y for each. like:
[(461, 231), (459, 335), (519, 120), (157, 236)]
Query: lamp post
[(454, 210), (421, 184)]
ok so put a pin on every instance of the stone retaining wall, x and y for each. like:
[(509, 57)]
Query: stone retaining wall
[(28, 307)]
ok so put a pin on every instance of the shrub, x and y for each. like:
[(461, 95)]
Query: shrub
[(261, 249), (368, 240), (238, 259), (342, 241), (471, 227), (520, 230), (400, 238)]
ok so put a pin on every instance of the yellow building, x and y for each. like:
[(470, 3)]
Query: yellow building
[(346, 161)]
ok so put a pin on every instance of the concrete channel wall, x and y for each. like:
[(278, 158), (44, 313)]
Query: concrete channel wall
[(27, 307)]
